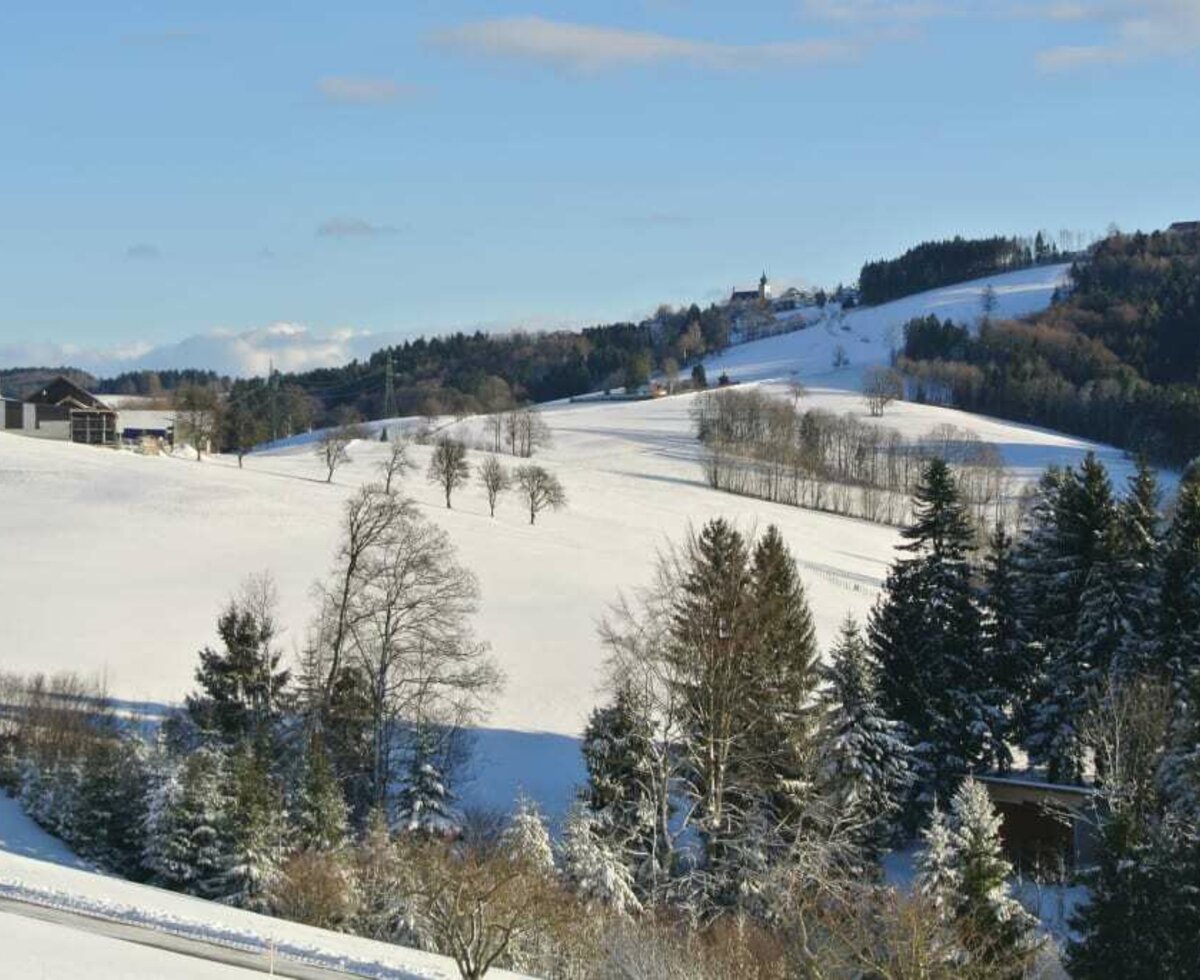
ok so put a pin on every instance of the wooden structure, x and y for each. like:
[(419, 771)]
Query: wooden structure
[(1046, 826), (62, 410)]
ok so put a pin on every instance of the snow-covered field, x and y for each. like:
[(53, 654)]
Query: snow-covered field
[(116, 565)]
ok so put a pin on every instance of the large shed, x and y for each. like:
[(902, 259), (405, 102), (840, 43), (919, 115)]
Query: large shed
[(1045, 825), (62, 409)]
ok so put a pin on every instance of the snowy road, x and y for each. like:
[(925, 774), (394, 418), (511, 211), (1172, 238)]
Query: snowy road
[(244, 960)]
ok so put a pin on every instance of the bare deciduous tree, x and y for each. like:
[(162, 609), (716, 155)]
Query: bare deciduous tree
[(495, 480), (881, 387), (448, 466), (670, 370), (396, 464), (540, 489), (333, 447)]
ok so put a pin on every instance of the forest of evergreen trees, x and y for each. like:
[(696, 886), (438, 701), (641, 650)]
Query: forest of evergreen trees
[(942, 263), (1117, 360), (741, 789)]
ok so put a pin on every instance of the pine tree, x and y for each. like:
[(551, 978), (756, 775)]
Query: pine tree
[(321, 816), (712, 639), (1077, 573), (526, 838), (782, 714), (1005, 645), (240, 685), (984, 905), (865, 774), (379, 883), (185, 825), (112, 805), (595, 870), (936, 876), (925, 637), (425, 805), (1179, 602), (618, 753), (253, 834)]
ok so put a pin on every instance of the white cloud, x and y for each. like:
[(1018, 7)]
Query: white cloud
[(589, 48), (1137, 30), (347, 227), (290, 346), (362, 91)]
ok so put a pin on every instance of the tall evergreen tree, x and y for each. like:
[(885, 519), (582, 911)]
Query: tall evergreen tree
[(621, 790), (185, 825), (241, 685), (320, 807), (865, 774), (594, 869), (783, 714), (253, 833), (1073, 554), (425, 804), (937, 878), (1005, 644), (926, 636)]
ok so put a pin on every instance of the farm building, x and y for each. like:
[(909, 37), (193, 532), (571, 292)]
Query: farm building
[(62, 410), (1046, 825)]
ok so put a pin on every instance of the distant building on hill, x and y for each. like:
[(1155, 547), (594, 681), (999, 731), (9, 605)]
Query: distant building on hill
[(742, 296), (1184, 228), (62, 410)]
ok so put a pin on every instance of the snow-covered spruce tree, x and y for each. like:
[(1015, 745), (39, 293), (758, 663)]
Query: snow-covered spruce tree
[(111, 817), (185, 823), (783, 714), (995, 921), (925, 637), (595, 870), (865, 771), (425, 804), (1081, 540), (526, 838), (1179, 601), (1005, 645), (936, 874), (619, 755), (253, 833), (321, 816)]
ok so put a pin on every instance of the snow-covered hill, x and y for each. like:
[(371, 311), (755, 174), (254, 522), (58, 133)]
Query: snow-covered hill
[(116, 565)]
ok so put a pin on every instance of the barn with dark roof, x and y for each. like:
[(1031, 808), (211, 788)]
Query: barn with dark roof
[(61, 409)]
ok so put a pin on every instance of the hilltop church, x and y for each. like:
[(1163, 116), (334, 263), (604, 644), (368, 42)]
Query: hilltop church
[(741, 297)]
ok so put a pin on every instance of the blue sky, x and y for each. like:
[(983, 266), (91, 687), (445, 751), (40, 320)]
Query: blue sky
[(229, 181)]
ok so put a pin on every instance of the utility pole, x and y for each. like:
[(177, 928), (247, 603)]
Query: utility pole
[(389, 390)]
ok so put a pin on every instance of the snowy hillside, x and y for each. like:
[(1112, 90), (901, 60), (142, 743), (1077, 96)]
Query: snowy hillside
[(117, 564), (870, 334)]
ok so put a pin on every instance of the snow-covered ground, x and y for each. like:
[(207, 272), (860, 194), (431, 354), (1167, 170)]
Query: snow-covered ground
[(116, 565), (38, 873)]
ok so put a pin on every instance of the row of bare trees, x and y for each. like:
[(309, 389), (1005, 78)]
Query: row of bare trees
[(759, 445), (520, 432)]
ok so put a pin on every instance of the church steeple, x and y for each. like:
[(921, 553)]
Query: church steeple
[(762, 285)]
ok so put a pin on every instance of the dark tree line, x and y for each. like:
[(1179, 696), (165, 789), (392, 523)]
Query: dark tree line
[(940, 263)]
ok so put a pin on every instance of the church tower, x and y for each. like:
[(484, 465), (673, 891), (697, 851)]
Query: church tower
[(764, 286)]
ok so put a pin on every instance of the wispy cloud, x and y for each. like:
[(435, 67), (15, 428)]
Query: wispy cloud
[(142, 251), (877, 11), (347, 227), (352, 90), (153, 38), (588, 48), (1138, 30)]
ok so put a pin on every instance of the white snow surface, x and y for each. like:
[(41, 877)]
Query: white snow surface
[(116, 564)]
